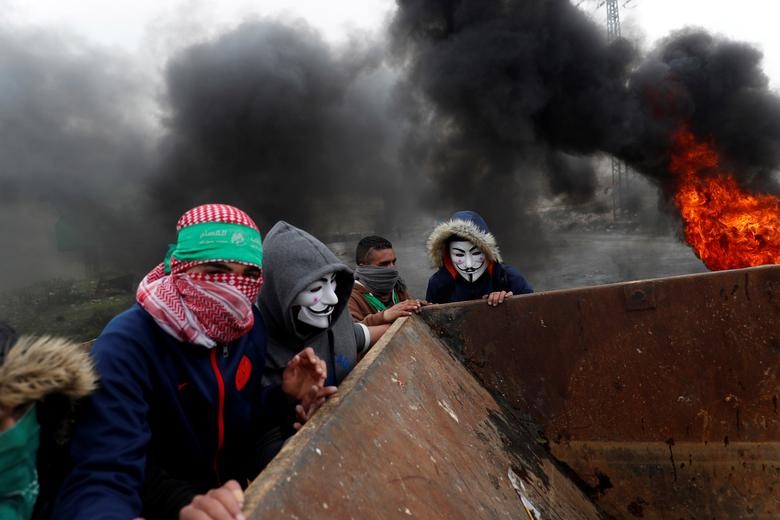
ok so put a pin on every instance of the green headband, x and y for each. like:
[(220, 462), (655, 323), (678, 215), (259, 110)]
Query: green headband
[(217, 241)]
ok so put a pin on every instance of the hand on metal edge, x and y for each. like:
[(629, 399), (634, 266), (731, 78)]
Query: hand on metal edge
[(223, 503), (494, 298), (303, 371), (315, 398), (401, 309)]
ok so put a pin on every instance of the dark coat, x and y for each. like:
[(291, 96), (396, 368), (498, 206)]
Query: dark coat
[(166, 412), (443, 287), (446, 286)]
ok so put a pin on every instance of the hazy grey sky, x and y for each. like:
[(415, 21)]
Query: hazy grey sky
[(132, 24), (126, 23)]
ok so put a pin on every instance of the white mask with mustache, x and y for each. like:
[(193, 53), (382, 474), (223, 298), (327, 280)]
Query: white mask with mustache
[(317, 301), (468, 259)]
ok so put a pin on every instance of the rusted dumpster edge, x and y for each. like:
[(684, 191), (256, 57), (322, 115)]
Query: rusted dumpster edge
[(282, 466), (529, 473), (755, 287)]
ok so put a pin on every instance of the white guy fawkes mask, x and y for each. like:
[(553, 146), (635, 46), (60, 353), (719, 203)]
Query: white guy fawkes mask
[(317, 301), (468, 259)]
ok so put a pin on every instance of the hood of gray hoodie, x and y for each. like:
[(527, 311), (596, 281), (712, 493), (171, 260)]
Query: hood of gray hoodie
[(292, 260)]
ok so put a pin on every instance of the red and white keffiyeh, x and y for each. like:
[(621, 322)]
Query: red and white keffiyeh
[(204, 309)]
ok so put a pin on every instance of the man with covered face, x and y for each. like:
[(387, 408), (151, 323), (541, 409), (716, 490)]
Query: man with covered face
[(172, 429), (304, 304), (469, 263), (379, 296), (40, 381)]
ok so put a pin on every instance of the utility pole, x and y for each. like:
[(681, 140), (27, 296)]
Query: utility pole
[(613, 19), (619, 169)]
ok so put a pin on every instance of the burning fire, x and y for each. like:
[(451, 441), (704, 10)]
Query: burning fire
[(727, 227)]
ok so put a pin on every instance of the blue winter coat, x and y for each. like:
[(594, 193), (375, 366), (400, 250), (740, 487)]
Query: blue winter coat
[(444, 288), (166, 412)]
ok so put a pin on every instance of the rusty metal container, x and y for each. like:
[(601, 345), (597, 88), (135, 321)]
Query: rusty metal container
[(650, 399)]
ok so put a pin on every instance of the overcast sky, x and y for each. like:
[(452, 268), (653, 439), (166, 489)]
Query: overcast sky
[(136, 26)]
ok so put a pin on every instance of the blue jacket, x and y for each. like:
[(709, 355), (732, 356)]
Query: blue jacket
[(444, 288), (166, 412)]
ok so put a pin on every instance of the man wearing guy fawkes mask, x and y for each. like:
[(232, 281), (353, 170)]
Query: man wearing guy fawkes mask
[(469, 263), (303, 302)]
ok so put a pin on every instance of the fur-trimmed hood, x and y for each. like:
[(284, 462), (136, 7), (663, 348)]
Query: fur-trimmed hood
[(467, 225), (36, 367)]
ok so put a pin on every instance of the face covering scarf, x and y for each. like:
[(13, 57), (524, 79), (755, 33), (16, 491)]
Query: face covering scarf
[(380, 280), (199, 308), (204, 309), (18, 476)]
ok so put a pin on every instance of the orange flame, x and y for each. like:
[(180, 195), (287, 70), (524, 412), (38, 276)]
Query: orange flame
[(727, 227)]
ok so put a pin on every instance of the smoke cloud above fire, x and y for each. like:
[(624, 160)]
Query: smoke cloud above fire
[(468, 104), (518, 96), (718, 88)]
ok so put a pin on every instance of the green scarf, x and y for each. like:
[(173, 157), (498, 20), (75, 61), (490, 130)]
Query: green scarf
[(376, 303), (18, 476), (216, 241)]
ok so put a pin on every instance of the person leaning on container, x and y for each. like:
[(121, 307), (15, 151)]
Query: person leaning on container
[(469, 263), (40, 381), (304, 302), (172, 429), (379, 295)]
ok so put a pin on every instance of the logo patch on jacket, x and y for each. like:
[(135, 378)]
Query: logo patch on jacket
[(343, 362), (243, 373)]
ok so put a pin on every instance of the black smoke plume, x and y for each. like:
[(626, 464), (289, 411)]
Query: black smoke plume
[(271, 118), (717, 87), (479, 104), (509, 91), (510, 99)]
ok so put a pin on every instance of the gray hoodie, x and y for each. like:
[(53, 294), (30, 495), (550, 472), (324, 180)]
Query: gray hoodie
[(293, 259)]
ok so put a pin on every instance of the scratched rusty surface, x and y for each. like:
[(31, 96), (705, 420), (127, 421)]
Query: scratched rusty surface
[(412, 434), (661, 395)]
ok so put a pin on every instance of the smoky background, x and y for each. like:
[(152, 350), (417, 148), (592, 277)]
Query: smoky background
[(511, 109)]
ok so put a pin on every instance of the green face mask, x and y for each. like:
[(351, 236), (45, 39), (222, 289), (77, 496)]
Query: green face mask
[(18, 476)]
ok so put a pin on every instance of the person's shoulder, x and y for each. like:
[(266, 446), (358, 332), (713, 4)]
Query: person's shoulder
[(510, 270), (440, 276), (440, 287), (131, 339), (517, 279), (135, 322), (358, 290), (439, 279)]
